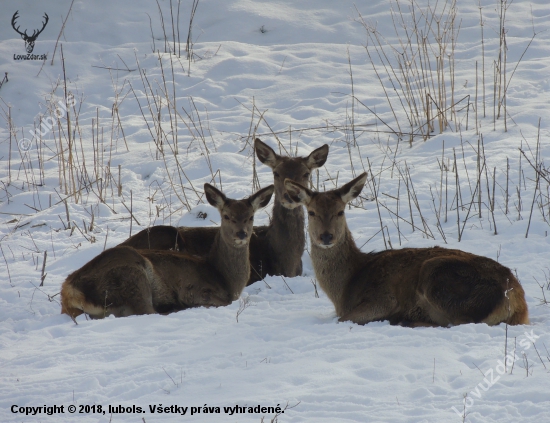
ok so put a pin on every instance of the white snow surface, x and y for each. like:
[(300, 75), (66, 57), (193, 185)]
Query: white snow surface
[(291, 60)]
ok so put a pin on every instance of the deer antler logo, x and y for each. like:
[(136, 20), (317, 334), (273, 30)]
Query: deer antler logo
[(29, 39)]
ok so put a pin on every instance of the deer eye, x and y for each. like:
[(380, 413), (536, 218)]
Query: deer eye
[(251, 218), (275, 174), (306, 175), (341, 213), (226, 217), (311, 213)]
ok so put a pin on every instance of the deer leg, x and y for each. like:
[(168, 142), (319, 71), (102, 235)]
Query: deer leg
[(299, 269), (454, 290), (139, 306), (361, 316), (369, 311), (417, 324), (127, 291)]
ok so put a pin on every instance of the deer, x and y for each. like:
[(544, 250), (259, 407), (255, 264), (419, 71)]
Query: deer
[(29, 39), (275, 249), (124, 281), (410, 286)]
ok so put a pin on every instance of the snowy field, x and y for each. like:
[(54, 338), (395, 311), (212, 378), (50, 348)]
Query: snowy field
[(148, 128)]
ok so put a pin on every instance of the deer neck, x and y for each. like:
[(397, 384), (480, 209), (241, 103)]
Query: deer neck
[(232, 263), (334, 267), (286, 230)]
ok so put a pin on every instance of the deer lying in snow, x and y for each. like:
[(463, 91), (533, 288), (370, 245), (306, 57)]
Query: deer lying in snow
[(410, 286), (275, 249), (125, 281)]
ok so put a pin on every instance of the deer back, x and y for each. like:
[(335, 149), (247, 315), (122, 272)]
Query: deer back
[(199, 241), (161, 237)]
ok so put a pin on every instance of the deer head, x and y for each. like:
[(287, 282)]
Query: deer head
[(327, 222), (237, 215), (29, 39), (294, 168)]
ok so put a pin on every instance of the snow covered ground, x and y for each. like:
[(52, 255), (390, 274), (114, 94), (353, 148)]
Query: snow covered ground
[(290, 63)]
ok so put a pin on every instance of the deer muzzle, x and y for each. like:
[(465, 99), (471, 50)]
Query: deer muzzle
[(241, 238), (326, 239), (287, 198)]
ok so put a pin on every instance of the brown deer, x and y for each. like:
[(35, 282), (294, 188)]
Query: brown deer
[(410, 286), (124, 281), (275, 249)]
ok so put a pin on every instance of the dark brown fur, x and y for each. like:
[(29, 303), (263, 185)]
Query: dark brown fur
[(410, 286), (275, 249), (161, 237), (125, 281)]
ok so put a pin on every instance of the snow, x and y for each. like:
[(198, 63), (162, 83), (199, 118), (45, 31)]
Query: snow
[(291, 61)]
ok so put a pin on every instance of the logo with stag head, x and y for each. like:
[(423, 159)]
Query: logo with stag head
[(29, 39)]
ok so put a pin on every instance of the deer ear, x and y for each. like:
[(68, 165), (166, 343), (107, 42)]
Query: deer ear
[(262, 197), (214, 196), (352, 189), (265, 153), (297, 192), (317, 158)]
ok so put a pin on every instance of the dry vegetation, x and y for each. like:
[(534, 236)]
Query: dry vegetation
[(417, 74)]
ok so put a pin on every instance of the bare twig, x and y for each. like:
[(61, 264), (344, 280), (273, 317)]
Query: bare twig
[(61, 32)]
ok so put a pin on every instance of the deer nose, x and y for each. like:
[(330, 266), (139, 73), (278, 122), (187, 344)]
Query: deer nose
[(241, 234), (326, 238)]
